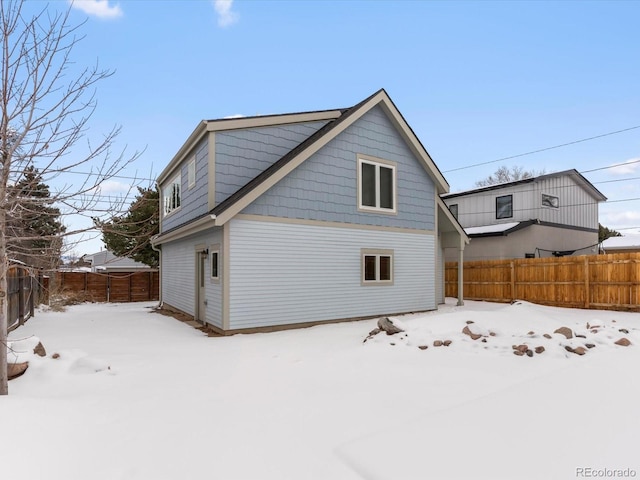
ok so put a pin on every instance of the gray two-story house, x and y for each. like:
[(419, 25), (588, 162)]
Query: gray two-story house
[(554, 214), (296, 219)]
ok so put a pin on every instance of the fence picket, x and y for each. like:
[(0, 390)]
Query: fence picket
[(609, 281)]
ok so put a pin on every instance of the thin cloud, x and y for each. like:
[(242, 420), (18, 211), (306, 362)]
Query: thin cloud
[(226, 16), (98, 8), (630, 166)]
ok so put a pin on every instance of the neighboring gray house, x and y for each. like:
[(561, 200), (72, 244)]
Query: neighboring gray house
[(296, 219), (548, 215), (105, 261), (629, 243)]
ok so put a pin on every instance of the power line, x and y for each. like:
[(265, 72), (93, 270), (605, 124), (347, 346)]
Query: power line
[(612, 166), (544, 150)]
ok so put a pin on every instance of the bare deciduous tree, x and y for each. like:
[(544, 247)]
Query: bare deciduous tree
[(45, 114), (506, 174)]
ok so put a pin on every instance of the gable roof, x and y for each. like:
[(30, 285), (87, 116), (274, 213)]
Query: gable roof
[(236, 123), (269, 177), (339, 120), (577, 176)]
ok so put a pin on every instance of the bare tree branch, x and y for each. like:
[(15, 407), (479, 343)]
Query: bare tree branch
[(44, 125)]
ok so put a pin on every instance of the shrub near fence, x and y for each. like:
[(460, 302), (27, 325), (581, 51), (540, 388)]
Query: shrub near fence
[(113, 286), (590, 281)]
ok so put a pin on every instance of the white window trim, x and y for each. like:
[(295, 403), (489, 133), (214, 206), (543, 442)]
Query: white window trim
[(377, 162), (191, 173), (177, 179), (371, 252), (214, 249)]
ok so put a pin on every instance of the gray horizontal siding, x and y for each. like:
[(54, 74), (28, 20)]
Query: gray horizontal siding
[(292, 273), (179, 278), (194, 200), (242, 155), (324, 187)]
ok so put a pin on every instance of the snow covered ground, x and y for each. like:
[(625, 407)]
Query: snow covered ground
[(138, 395)]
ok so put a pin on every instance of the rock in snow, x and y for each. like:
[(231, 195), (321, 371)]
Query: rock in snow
[(566, 331)]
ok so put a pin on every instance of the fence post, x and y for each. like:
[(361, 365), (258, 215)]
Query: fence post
[(587, 291), (32, 294), (20, 296), (513, 281)]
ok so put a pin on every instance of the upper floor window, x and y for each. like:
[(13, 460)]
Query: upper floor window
[(376, 185), (171, 195), (504, 206), (191, 173), (454, 210), (550, 201)]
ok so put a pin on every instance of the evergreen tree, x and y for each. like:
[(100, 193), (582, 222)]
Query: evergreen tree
[(130, 234), (604, 233), (34, 229)]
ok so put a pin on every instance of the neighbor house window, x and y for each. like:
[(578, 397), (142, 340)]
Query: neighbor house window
[(214, 259), (550, 201), (454, 210), (376, 185), (504, 206), (171, 195), (191, 173), (377, 267)]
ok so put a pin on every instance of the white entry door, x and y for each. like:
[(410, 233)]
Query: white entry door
[(201, 300)]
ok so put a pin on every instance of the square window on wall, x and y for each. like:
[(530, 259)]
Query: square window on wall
[(504, 206), (377, 267), (550, 201), (376, 185)]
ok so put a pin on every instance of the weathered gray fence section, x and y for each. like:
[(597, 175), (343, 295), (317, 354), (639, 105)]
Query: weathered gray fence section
[(25, 292)]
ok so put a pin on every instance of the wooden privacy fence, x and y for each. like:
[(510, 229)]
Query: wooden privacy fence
[(113, 286), (25, 291), (608, 282)]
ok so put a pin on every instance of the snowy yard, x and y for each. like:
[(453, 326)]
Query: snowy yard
[(137, 395)]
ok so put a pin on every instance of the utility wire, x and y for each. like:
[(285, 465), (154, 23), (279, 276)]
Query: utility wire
[(546, 149)]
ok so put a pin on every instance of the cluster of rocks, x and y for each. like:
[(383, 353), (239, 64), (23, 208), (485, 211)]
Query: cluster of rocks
[(16, 369), (523, 349)]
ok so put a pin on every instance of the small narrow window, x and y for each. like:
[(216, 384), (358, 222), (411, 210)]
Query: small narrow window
[(171, 197), (550, 201), (214, 258), (504, 206), (191, 173), (454, 210), (376, 186), (377, 267)]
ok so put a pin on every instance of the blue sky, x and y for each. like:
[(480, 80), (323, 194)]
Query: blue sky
[(477, 81)]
